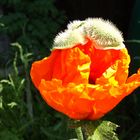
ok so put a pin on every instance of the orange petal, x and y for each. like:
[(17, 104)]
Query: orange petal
[(73, 66), (67, 99), (134, 78), (83, 101), (132, 83), (118, 72), (43, 68), (67, 65), (123, 66), (102, 60)]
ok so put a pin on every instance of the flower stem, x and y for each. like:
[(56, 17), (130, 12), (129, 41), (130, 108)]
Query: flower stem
[(79, 133)]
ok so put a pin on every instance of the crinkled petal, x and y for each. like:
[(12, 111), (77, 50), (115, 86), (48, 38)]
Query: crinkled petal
[(132, 83), (83, 101), (67, 65), (117, 73), (100, 59), (122, 67), (71, 99), (134, 78), (43, 68)]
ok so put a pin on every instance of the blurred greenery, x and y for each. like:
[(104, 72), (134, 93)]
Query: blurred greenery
[(32, 23), (23, 113), (127, 113)]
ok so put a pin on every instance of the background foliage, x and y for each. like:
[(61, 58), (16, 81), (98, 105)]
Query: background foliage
[(23, 113), (33, 24)]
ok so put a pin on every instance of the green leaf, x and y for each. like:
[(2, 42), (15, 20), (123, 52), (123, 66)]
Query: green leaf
[(1, 87), (1, 104), (101, 130), (21, 85), (12, 104), (2, 25), (15, 64), (133, 41), (20, 50), (5, 81)]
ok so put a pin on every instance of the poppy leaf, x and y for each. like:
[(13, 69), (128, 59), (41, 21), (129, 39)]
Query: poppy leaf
[(101, 130)]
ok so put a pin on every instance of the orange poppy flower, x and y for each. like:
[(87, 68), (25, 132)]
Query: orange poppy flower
[(84, 82)]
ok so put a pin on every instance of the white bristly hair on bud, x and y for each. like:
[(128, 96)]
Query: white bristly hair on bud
[(75, 24), (68, 39), (103, 32)]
